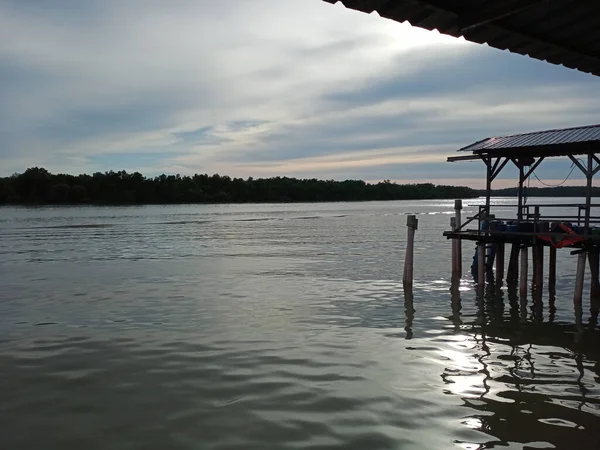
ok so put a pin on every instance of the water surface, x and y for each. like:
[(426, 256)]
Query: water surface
[(276, 326)]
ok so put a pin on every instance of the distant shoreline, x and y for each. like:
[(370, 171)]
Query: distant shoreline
[(38, 187)]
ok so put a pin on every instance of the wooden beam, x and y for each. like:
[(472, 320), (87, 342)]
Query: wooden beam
[(497, 170), (595, 171), (499, 10), (533, 167), (578, 164), (463, 158)]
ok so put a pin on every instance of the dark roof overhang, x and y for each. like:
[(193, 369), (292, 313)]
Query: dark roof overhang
[(564, 32)]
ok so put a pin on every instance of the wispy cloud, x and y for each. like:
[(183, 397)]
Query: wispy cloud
[(260, 88)]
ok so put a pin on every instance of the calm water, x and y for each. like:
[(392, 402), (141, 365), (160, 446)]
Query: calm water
[(275, 326)]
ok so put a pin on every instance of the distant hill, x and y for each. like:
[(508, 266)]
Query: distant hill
[(37, 186)]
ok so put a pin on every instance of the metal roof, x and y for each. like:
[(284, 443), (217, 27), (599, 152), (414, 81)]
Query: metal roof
[(586, 134), (563, 32), (568, 141)]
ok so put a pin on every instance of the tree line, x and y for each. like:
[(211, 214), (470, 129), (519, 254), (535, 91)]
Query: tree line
[(37, 186)]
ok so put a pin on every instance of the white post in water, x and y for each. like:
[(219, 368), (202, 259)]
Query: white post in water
[(411, 225), (458, 242)]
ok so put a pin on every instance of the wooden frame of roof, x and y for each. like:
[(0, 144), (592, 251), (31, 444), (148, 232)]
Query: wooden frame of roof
[(564, 32)]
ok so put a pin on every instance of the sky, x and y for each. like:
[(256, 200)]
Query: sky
[(262, 88)]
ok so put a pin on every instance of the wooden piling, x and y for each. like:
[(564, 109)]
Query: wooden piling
[(409, 310), (499, 263), (579, 277), (513, 263), (594, 261), (538, 283), (552, 272), (481, 267), (552, 284), (456, 270), (491, 257), (523, 274), (411, 225), (458, 222)]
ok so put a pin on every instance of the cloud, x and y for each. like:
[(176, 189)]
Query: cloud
[(261, 88)]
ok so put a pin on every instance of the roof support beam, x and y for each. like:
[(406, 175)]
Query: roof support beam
[(534, 166), (578, 164), (498, 166), (500, 10)]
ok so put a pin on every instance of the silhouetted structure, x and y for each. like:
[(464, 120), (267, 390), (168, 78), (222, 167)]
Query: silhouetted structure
[(563, 32), (531, 229)]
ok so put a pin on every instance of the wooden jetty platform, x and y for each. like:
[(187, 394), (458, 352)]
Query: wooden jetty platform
[(534, 227)]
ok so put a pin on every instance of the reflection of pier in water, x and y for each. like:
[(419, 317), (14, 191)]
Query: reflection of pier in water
[(522, 379)]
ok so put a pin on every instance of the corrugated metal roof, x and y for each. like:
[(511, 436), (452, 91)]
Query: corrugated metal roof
[(563, 32), (545, 139)]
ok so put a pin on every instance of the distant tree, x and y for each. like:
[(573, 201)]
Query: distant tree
[(38, 186), (60, 193)]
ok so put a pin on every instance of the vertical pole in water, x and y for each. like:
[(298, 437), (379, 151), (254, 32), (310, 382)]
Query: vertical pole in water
[(454, 255), (594, 260), (411, 224), (552, 272), (521, 193), (456, 252), (481, 267), (513, 263), (538, 259), (499, 263), (458, 223), (539, 280), (588, 194), (578, 297), (523, 277)]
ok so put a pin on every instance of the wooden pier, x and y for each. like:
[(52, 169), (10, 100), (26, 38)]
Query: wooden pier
[(538, 230)]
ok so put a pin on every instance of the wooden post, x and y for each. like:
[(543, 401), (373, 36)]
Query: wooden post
[(521, 192), (458, 223), (409, 310), (588, 193), (499, 263), (481, 267), (539, 271), (456, 303), (552, 272), (513, 263), (412, 225), (578, 296), (455, 258), (594, 260), (523, 277)]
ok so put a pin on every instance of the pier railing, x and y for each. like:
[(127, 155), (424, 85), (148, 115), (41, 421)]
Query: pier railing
[(581, 222)]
